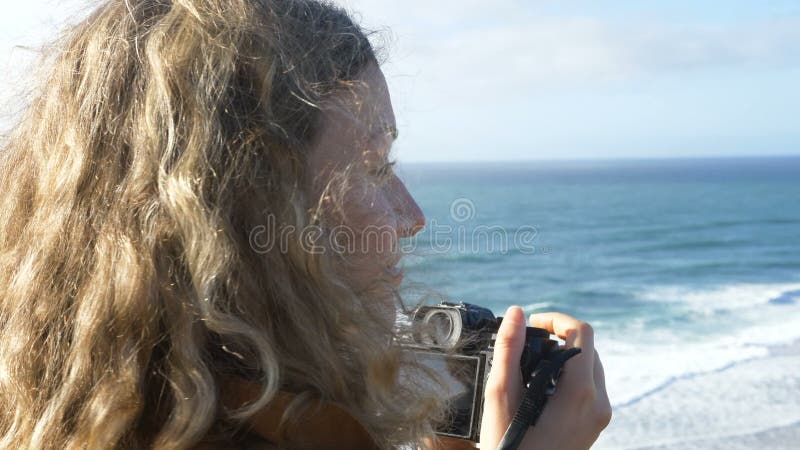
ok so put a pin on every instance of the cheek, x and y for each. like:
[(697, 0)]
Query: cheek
[(356, 202), (372, 225), (374, 222), (370, 208), (363, 226)]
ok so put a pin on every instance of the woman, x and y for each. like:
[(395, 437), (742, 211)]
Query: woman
[(199, 241)]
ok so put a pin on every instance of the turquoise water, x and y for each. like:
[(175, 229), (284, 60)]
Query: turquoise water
[(686, 268)]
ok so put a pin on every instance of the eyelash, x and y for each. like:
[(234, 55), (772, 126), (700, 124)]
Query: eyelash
[(385, 170)]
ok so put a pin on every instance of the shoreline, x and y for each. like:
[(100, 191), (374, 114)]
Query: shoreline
[(741, 407)]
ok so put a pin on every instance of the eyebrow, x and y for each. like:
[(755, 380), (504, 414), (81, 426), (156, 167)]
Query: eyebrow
[(390, 130)]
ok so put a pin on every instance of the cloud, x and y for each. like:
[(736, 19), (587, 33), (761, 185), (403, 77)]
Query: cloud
[(459, 48), (558, 51), (508, 79), (429, 17), (557, 75)]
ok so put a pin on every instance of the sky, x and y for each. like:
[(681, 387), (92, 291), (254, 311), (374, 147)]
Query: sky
[(473, 80)]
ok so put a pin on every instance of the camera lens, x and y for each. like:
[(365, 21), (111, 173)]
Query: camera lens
[(445, 327)]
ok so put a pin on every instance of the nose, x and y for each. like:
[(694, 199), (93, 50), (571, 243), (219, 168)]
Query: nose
[(411, 218)]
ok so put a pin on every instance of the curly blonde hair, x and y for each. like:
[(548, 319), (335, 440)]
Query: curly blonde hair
[(163, 132)]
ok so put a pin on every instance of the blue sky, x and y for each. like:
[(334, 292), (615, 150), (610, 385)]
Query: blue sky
[(534, 79), (476, 80)]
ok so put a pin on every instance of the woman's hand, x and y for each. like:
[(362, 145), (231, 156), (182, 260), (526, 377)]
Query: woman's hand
[(579, 410)]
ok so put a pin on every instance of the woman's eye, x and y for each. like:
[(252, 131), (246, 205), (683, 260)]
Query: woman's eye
[(385, 170)]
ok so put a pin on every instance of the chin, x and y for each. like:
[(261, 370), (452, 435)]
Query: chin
[(394, 275)]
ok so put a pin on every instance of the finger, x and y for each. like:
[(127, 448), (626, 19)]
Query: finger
[(565, 327), (503, 388), (575, 334), (510, 339)]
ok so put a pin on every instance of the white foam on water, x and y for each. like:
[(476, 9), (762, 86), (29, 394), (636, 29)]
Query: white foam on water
[(717, 381), (640, 361), (710, 301), (712, 410), (533, 307)]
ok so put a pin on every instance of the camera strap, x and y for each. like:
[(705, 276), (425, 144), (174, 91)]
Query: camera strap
[(542, 384)]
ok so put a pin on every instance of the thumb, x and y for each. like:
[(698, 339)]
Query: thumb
[(509, 342), (504, 385)]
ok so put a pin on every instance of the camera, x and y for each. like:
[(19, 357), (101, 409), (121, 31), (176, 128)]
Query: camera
[(456, 340)]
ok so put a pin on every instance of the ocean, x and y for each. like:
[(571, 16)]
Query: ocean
[(688, 270)]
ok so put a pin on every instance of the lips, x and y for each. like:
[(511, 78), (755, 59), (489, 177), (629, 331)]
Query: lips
[(395, 275), (393, 272), (395, 261)]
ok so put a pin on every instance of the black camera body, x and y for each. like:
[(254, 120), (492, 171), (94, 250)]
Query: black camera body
[(457, 341)]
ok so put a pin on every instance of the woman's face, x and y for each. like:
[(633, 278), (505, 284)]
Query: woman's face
[(351, 172)]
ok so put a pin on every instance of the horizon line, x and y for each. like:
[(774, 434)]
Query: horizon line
[(402, 161)]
